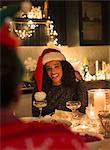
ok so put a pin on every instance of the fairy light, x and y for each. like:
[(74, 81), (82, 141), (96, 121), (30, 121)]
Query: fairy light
[(25, 29), (53, 34)]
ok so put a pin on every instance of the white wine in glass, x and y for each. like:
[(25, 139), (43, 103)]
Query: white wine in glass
[(40, 105)]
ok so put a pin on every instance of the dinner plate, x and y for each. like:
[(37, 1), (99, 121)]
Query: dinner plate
[(87, 135), (92, 140), (28, 119), (91, 137), (47, 119), (56, 121)]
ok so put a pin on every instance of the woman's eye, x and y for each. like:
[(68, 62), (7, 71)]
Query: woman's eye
[(51, 68), (48, 69), (56, 66)]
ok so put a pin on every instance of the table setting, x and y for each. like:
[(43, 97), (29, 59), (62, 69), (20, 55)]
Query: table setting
[(93, 126), (92, 134)]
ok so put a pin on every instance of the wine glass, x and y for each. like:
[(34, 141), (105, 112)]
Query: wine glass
[(73, 105), (40, 105)]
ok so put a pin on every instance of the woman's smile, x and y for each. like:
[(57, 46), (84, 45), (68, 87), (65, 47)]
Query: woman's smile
[(54, 76)]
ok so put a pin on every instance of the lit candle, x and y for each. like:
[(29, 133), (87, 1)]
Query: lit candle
[(99, 101), (96, 65), (85, 60)]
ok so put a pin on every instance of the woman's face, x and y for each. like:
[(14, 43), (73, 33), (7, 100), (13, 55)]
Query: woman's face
[(54, 71)]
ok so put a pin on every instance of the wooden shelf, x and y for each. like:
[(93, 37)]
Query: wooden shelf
[(98, 84)]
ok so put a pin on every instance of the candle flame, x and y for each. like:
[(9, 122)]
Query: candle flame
[(99, 93), (84, 125)]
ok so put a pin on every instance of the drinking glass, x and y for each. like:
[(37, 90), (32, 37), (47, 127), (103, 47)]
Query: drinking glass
[(40, 105), (104, 117), (73, 105)]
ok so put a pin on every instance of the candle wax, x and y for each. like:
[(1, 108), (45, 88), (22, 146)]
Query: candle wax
[(99, 101)]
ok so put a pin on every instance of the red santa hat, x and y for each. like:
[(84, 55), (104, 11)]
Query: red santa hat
[(49, 54), (7, 38)]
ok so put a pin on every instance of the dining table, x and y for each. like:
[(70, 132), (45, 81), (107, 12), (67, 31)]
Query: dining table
[(91, 129)]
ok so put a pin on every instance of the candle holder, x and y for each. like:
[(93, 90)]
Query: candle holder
[(104, 117), (99, 99)]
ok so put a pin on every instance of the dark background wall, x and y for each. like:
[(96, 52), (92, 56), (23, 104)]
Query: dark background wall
[(57, 13), (67, 21)]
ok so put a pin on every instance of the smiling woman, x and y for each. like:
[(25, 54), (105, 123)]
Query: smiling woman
[(57, 78)]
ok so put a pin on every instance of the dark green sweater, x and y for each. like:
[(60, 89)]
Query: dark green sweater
[(57, 97)]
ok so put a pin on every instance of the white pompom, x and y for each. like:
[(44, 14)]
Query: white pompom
[(40, 96), (26, 6)]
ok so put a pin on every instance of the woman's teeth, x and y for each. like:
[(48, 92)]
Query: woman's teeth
[(55, 76)]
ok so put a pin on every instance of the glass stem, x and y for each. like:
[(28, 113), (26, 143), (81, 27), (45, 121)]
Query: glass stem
[(40, 114)]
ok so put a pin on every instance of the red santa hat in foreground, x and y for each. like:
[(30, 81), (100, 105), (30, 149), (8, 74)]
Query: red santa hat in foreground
[(48, 54), (7, 38)]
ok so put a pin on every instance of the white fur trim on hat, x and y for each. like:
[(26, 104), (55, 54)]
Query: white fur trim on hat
[(53, 56)]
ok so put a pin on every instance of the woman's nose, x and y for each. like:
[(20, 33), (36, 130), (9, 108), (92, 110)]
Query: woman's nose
[(53, 70)]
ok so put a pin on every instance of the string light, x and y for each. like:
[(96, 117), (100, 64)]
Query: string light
[(30, 21)]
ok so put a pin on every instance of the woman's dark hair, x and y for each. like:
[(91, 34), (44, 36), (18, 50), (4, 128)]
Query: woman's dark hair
[(11, 71), (68, 78)]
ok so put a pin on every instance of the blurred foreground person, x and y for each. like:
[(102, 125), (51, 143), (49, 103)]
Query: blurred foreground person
[(15, 134)]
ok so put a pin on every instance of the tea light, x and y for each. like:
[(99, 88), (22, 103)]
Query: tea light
[(99, 100), (84, 125)]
